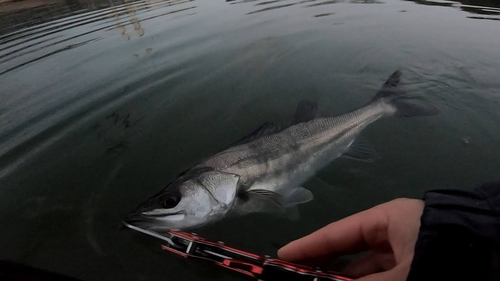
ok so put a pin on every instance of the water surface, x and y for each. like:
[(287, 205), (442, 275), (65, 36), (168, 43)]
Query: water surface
[(103, 103)]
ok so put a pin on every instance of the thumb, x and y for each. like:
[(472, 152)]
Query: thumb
[(398, 273)]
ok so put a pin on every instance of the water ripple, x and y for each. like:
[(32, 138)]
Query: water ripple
[(46, 115)]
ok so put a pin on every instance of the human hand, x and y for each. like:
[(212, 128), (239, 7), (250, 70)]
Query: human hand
[(389, 231)]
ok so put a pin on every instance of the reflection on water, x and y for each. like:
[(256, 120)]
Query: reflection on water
[(481, 10), (58, 34), (478, 6), (434, 3), (271, 8), (485, 7), (484, 18), (310, 3), (67, 47), (323, 15), (102, 102), (134, 22), (486, 3), (22, 14), (27, 41), (24, 30)]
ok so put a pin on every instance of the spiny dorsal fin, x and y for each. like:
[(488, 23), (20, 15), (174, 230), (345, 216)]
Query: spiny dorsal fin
[(305, 112)]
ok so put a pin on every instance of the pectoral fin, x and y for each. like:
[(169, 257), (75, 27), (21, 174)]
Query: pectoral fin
[(298, 196), (273, 199), (258, 201), (266, 201)]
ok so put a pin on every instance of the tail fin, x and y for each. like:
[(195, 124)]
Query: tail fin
[(394, 94)]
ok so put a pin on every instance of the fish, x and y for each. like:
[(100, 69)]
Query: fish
[(264, 171)]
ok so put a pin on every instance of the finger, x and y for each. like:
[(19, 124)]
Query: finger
[(399, 273), (371, 263), (353, 234), (405, 225)]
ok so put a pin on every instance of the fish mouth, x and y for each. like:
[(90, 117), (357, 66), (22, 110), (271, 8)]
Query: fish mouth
[(168, 218), (163, 215), (149, 220)]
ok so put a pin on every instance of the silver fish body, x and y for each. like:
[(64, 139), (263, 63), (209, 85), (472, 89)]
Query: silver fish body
[(277, 161), (268, 170)]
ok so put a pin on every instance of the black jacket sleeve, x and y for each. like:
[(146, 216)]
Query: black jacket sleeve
[(459, 236)]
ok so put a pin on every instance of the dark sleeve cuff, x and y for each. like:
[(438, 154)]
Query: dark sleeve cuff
[(459, 237)]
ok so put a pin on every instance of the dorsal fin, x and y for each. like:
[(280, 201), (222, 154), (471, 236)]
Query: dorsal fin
[(266, 129), (305, 112)]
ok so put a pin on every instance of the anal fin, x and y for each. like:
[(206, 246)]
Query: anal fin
[(361, 150)]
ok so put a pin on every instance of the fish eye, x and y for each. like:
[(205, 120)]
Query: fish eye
[(169, 200)]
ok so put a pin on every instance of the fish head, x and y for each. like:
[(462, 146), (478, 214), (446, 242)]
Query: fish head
[(192, 200)]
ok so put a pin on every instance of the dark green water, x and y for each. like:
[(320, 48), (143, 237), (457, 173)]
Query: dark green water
[(102, 103)]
